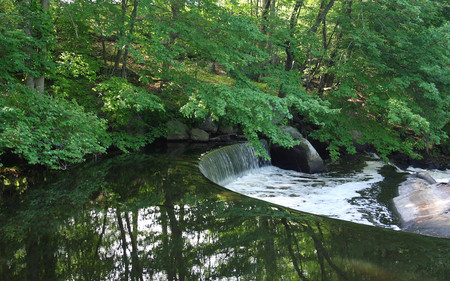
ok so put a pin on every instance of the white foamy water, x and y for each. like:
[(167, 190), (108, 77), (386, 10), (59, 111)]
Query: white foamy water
[(347, 198), (439, 175)]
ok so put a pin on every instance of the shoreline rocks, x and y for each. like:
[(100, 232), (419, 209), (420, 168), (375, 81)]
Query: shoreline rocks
[(208, 130), (177, 131), (424, 206), (302, 157), (199, 135)]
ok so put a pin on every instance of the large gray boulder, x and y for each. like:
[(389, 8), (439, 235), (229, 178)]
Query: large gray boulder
[(209, 125), (177, 130), (302, 157), (227, 130), (199, 135), (295, 134), (424, 206)]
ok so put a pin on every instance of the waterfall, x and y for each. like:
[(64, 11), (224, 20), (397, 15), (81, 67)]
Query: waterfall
[(227, 163)]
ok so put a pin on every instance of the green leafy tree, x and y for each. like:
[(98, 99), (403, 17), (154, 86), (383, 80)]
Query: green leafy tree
[(126, 106), (39, 128), (393, 77), (47, 131), (374, 72)]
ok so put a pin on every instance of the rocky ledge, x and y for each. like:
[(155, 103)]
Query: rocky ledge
[(424, 206)]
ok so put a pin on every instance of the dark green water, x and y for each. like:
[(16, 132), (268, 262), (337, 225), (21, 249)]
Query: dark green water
[(155, 217)]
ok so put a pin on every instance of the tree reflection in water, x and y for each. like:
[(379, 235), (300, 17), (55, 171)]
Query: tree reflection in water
[(154, 217)]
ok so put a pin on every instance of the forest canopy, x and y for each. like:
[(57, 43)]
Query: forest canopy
[(81, 76)]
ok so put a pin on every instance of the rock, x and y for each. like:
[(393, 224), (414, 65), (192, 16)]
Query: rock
[(426, 177), (209, 126), (356, 136), (424, 208), (227, 130), (177, 130), (295, 134), (302, 157), (221, 138), (199, 135)]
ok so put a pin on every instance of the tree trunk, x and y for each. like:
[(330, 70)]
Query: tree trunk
[(175, 9), (32, 257), (289, 64), (327, 79), (321, 251), (269, 252), (105, 61), (265, 14), (177, 243), (29, 81), (323, 12), (169, 265), (71, 19), (45, 5), (289, 243), (321, 16), (117, 60), (132, 22), (120, 48), (39, 83), (124, 244), (290, 59), (32, 82), (136, 270)]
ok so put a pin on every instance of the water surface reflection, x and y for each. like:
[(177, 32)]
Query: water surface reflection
[(155, 217)]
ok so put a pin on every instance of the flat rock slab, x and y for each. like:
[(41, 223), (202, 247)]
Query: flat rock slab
[(424, 208)]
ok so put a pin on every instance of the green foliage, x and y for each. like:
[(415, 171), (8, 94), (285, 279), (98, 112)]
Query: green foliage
[(11, 56), (370, 72), (21, 53), (392, 68), (73, 78), (37, 24), (124, 104), (245, 105), (46, 130), (71, 65)]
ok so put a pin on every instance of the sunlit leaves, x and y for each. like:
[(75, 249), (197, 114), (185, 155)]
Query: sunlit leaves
[(48, 131), (119, 95), (394, 75), (124, 103), (242, 65)]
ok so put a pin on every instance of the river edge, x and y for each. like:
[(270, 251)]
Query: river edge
[(423, 205)]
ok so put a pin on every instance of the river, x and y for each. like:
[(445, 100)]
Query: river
[(154, 216)]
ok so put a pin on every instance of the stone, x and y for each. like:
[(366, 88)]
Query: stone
[(199, 135), (426, 177), (424, 206), (302, 157), (221, 138), (209, 125), (356, 136), (295, 134), (177, 131), (227, 130)]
